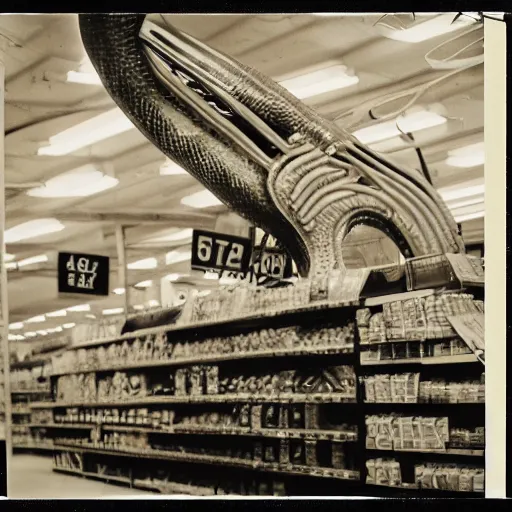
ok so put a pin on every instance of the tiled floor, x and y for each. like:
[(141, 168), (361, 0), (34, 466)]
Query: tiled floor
[(31, 476)]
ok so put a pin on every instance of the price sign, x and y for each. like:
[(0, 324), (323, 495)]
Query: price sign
[(273, 263), (83, 273), (218, 251)]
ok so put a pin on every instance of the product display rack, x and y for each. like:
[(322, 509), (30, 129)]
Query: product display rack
[(78, 433)]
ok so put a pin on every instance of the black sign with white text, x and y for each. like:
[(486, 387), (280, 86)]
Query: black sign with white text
[(83, 273), (218, 251)]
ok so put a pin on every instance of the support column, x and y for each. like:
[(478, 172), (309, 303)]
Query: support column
[(122, 268)]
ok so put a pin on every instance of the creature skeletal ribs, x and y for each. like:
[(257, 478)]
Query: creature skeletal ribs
[(259, 149)]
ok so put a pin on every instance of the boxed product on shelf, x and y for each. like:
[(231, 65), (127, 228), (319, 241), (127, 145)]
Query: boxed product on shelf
[(393, 432), (449, 477), (383, 472)]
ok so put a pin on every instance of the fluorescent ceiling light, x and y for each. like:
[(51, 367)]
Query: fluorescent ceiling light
[(81, 182), (54, 314), (172, 277), (86, 74), (16, 326), (177, 257), (465, 190), (36, 319), (468, 202), (113, 311), (41, 258), (211, 276), (32, 229), (42, 333), (204, 293), (319, 82), (138, 307), (119, 291), (101, 127), (30, 334), (470, 216), (170, 168), (144, 284), (80, 308), (15, 337), (12, 265), (227, 281), (468, 156), (424, 30), (153, 303), (79, 77), (92, 317), (202, 199), (409, 123), (183, 234), (69, 325), (8, 257), (145, 264)]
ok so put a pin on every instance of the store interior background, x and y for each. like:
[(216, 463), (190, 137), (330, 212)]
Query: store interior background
[(49, 87)]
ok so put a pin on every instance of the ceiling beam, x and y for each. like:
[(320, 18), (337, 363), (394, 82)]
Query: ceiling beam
[(176, 219)]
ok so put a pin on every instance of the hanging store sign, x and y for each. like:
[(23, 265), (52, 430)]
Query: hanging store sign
[(83, 273), (218, 251), (272, 263)]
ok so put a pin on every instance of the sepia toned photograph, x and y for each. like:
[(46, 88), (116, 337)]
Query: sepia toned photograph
[(244, 255)]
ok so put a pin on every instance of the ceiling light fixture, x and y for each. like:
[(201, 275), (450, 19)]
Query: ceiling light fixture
[(8, 257), (41, 258), (99, 128), (202, 199), (172, 277), (56, 314), (410, 123), (69, 325), (469, 216), (144, 264), (80, 182), (153, 303), (213, 276), (424, 30), (42, 333), (462, 191), (468, 156), (30, 334), (119, 291), (36, 319), (16, 326), (170, 168), (32, 229), (138, 307), (177, 257), (80, 308), (92, 317), (204, 293), (144, 284), (113, 311), (320, 81)]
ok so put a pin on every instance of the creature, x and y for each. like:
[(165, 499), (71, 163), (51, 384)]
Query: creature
[(259, 149)]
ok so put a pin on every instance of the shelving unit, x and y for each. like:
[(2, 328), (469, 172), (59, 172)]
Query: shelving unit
[(330, 454)]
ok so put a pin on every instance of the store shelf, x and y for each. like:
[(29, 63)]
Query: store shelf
[(19, 412), (209, 399), (68, 470), (448, 451), (392, 342), (30, 391), (460, 359), (341, 474), (32, 447), (257, 319), (77, 426), (324, 435), (347, 350), (414, 487)]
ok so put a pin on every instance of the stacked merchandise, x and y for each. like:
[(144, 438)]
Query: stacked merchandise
[(415, 328), (393, 432), (154, 348), (407, 388), (106, 328), (28, 379), (441, 477)]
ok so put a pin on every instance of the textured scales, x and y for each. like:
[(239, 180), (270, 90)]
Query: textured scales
[(259, 149)]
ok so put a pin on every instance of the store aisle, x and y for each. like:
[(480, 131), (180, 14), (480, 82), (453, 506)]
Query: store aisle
[(31, 476)]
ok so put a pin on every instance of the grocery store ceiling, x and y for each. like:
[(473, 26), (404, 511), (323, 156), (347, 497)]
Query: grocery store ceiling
[(40, 50)]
